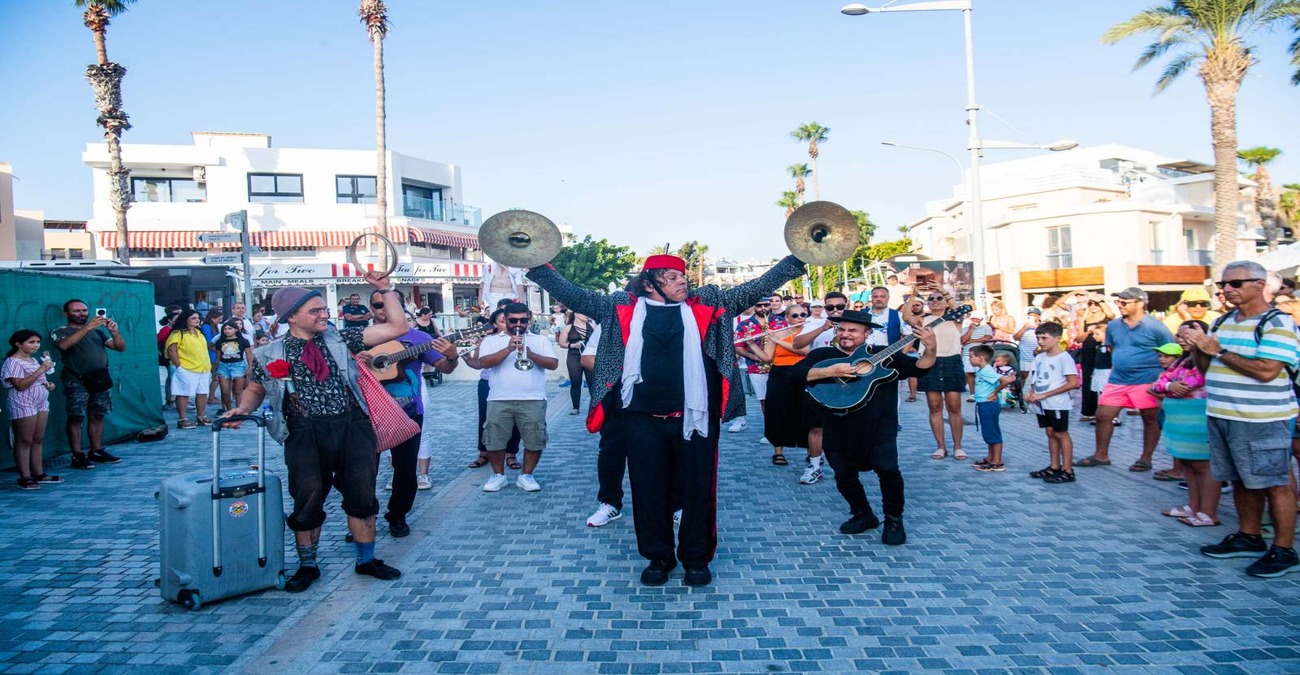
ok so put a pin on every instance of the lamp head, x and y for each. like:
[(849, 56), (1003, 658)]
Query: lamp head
[(1063, 145), (855, 9)]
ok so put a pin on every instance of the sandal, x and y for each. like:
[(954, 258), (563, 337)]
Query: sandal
[(1093, 461), (1140, 466), (939, 454), (779, 459), (1199, 520), (481, 461), (203, 421), (1179, 512), (959, 454), (910, 399), (1166, 475), (1043, 473), (513, 463)]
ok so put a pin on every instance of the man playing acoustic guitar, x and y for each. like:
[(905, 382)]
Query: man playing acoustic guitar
[(865, 439)]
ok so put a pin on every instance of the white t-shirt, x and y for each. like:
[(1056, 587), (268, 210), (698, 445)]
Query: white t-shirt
[(510, 383), (880, 336), (1049, 373), (589, 349)]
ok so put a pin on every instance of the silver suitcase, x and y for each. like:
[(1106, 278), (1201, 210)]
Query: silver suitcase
[(222, 531)]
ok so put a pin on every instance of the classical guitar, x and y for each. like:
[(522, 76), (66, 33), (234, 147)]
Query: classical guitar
[(845, 394), (386, 360)]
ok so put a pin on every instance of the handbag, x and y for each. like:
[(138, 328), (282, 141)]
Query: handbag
[(392, 425), (97, 381)]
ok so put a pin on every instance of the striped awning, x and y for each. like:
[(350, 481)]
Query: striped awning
[(173, 239)]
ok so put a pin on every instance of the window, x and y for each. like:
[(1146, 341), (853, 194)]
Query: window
[(1059, 251), (168, 190), (1157, 244), (355, 189), (422, 202), (273, 188), (58, 254), (76, 254)]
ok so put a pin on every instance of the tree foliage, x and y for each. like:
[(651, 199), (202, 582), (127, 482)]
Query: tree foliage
[(866, 228), (594, 264), (693, 253)]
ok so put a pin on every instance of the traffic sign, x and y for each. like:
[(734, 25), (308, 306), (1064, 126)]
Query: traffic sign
[(219, 238), (223, 259)]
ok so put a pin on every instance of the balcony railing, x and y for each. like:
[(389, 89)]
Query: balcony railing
[(1060, 261), (441, 211), (1200, 256)]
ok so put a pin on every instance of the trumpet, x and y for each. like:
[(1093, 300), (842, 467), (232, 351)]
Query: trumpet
[(764, 334), (522, 361)]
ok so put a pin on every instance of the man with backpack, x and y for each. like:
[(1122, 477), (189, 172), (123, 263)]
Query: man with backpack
[(1249, 360)]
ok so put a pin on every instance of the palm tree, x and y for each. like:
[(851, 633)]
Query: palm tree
[(799, 172), (1288, 205), (813, 134), (374, 16), (106, 81), (789, 201), (1212, 37), (1265, 197)]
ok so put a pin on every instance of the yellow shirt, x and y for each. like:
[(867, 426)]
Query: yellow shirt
[(1173, 321), (191, 349)]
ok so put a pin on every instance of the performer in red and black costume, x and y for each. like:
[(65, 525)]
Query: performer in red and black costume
[(664, 369)]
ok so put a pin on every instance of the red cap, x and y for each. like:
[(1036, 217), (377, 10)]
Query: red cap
[(665, 262)]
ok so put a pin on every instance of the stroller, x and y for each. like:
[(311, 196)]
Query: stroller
[(1011, 396)]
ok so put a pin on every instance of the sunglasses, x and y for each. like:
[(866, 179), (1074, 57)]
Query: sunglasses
[(795, 316), (516, 320), (1235, 283), (763, 304), (833, 308), (1198, 303), (376, 305), (936, 298)]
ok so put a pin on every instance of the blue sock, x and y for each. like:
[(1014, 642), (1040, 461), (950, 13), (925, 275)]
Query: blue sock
[(365, 552)]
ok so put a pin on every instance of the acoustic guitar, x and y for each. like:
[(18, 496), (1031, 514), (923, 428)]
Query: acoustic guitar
[(846, 394), (386, 360)]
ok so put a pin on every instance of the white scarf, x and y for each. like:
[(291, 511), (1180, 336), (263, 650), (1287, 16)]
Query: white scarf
[(696, 415)]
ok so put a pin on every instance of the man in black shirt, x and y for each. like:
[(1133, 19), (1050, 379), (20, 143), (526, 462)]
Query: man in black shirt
[(355, 314), (866, 439)]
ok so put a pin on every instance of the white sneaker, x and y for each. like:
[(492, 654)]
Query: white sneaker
[(495, 483), (423, 482), (812, 475), (527, 483), (389, 487), (738, 426), (677, 517), (603, 515)]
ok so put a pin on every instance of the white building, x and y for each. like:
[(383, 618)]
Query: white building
[(1100, 218), (304, 207), (727, 273)]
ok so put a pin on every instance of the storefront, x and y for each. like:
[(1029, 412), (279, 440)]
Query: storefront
[(443, 286)]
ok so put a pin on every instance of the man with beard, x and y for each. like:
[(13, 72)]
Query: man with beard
[(83, 345), (866, 439)]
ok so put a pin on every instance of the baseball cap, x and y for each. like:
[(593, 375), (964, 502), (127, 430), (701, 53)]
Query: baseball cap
[(817, 303), (1194, 295), (1034, 310), (1132, 293), (1170, 349)]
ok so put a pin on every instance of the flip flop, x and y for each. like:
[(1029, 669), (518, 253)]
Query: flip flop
[(939, 454), (1166, 475), (959, 454), (1139, 466), (1199, 520), (1092, 461), (1179, 512), (481, 461)]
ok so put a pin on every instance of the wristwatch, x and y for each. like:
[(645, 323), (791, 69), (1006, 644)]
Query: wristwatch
[(1222, 352)]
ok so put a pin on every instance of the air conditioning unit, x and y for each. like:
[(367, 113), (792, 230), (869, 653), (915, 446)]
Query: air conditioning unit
[(200, 174)]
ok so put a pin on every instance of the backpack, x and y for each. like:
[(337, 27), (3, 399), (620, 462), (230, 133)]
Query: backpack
[(1264, 318), (163, 334)]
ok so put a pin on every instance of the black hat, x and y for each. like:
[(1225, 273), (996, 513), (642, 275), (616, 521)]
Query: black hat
[(856, 316)]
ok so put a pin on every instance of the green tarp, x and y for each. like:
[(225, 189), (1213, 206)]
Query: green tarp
[(35, 300)]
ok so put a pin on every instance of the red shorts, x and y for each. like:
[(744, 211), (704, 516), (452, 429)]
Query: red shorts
[(1133, 396)]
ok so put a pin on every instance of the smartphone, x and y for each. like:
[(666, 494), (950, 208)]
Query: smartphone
[(101, 312)]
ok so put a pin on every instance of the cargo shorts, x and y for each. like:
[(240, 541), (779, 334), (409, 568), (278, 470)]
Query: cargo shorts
[(80, 402), (504, 416), (1256, 453)]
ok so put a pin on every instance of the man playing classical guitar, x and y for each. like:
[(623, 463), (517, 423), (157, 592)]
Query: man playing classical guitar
[(866, 439)]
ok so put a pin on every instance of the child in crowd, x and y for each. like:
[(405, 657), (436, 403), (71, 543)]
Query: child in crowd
[(29, 406), (1052, 378), (1010, 393), (988, 381), (1102, 365), (1181, 389), (262, 339)]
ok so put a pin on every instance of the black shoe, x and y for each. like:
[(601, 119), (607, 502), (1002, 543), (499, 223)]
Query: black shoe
[(1060, 477), (80, 461), (894, 534), (1275, 563), (46, 478), (860, 523), (349, 539), (377, 569), (701, 576), (1236, 545), (103, 457), (656, 573), (398, 527), (302, 579), (1043, 473)]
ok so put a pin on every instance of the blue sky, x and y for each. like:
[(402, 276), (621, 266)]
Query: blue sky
[(643, 123)]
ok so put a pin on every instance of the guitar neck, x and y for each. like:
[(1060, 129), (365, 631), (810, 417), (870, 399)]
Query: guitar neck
[(902, 344), (416, 350)]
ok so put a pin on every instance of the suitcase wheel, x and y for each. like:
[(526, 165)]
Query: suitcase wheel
[(189, 599), (280, 581)]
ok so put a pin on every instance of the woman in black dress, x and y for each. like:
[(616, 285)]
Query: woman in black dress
[(573, 337)]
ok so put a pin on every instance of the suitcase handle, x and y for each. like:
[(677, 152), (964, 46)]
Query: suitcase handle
[(256, 419), (216, 488)]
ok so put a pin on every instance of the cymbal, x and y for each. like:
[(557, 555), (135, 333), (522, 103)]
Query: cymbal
[(520, 238), (821, 233)]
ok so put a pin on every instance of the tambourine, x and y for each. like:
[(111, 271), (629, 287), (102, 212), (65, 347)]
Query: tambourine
[(391, 257)]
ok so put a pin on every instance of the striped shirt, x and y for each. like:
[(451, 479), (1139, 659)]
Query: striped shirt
[(1234, 396)]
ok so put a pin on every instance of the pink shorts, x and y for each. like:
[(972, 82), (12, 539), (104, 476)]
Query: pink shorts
[(1133, 396)]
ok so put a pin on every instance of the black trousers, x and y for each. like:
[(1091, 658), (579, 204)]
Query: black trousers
[(404, 487), (324, 452), (512, 446), (578, 376), (661, 463), (884, 461), (611, 463)]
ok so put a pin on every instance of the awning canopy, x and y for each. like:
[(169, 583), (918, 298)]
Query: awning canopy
[(176, 239), (1283, 259)]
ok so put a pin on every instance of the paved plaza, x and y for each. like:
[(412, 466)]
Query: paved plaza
[(1000, 573)]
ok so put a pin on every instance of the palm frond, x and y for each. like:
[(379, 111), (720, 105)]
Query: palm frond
[(1162, 20), (1176, 68), (113, 7)]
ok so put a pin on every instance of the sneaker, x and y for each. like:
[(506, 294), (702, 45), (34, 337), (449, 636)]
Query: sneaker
[(970, 399), (764, 441), (812, 475), (389, 487), (677, 517), (80, 461), (604, 515), (565, 383), (398, 527), (527, 483), (1235, 545), (1060, 477), (28, 484), (377, 569), (302, 579), (893, 534), (1275, 563), (738, 426), (495, 483), (103, 457), (423, 482), (46, 478), (860, 523)]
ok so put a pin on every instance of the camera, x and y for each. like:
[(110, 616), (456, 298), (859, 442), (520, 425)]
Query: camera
[(101, 312)]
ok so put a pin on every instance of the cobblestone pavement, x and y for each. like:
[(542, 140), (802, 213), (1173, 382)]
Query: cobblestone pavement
[(1000, 573)]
